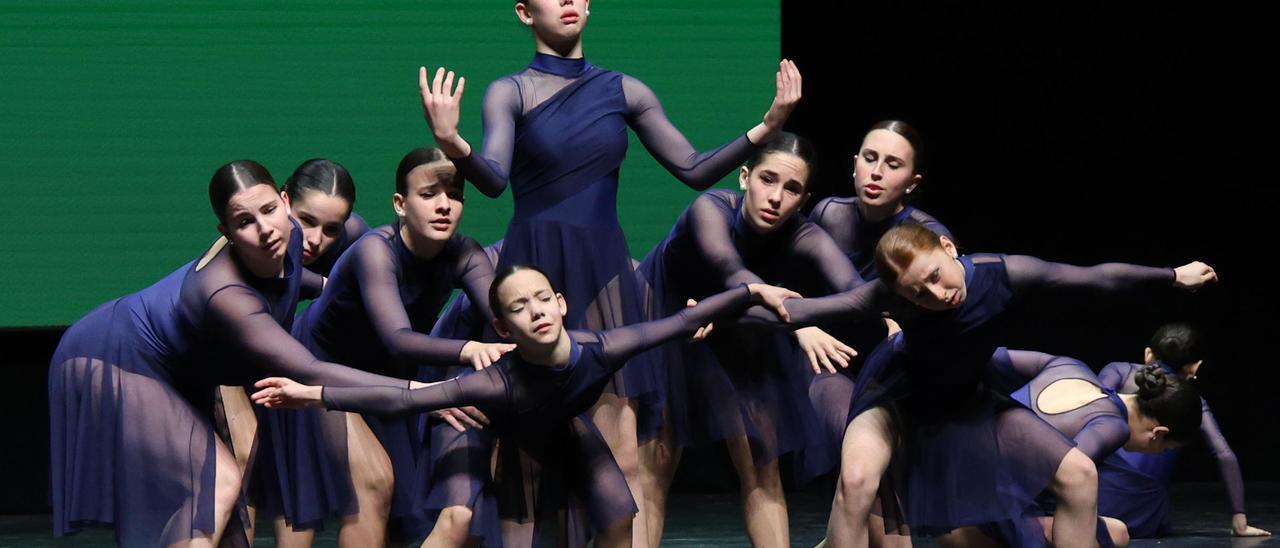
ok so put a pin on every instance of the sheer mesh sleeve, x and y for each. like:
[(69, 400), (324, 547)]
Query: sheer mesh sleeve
[(1026, 272), (355, 227), (312, 285), (490, 168), (474, 274), (1026, 364), (671, 149), (816, 248), (238, 313), (622, 343), (930, 222), (710, 218), (484, 389), (380, 291), (862, 303), (1115, 375), (1102, 436), (1228, 466)]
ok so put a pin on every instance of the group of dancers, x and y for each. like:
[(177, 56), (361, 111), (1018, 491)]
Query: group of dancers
[(549, 403)]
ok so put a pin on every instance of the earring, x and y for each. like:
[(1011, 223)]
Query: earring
[(528, 22), (588, 12), (909, 189)]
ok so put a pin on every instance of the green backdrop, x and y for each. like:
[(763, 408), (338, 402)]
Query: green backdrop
[(113, 116)]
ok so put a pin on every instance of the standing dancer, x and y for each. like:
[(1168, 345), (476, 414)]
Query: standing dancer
[(383, 296), (740, 387), (557, 132)]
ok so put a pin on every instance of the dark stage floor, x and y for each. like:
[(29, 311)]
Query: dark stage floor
[(714, 520)]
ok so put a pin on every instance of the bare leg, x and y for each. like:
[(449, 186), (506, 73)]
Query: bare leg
[(864, 457), (373, 481), (1116, 529), (242, 423), (658, 460), (226, 493), (516, 534), (616, 419), (451, 529), (286, 537), (616, 534), (764, 505), (1076, 485), (879, 537)]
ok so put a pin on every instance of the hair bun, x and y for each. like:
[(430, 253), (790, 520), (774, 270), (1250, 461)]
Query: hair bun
[(1151, 380)]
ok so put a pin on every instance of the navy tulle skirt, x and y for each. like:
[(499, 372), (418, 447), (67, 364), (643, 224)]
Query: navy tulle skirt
[(128, 447), (966, 456), (738, 382)]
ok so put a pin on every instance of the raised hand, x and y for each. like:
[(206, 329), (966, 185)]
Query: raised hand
[(786, 97), (441, 102)]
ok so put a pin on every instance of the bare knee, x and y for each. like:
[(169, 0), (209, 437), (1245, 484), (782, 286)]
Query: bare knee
[(376, 481), (1076, 477), (227, 485), (454, 523), (858, 484)]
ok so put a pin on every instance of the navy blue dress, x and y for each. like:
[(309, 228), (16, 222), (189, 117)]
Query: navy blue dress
[(558, 131), (1134, 487), (857, 236), (1097, 427), (131, 390), (540, 411), (831, 393), (960, 439), (741, 382), (460, 462), (379, 302)]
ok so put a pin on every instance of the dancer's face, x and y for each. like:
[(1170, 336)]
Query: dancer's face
[(532, 312), (884, 169), (935, 279), (433, 206), (321, 217), (774, 190), (554, 21), (257, 224)]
